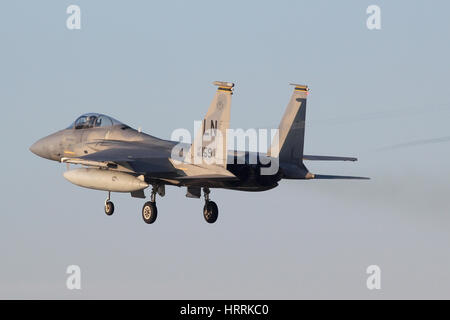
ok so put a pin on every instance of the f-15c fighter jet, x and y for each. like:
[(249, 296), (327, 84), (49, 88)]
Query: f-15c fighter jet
[(117, 158)]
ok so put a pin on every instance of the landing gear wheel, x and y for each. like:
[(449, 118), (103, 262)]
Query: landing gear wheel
[(210, 211), (109, 208), (149, 212)]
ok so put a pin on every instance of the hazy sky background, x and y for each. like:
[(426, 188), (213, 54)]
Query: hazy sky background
[(151, 65)]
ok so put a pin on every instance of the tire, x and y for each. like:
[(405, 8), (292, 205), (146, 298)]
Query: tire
[(149, 212), (210, 212), (109, 208)]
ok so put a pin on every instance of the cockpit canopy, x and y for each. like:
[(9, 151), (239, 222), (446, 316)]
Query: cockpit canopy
[(93, 120)]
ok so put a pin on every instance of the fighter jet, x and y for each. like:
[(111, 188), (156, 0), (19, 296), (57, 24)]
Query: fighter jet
[(117, 158)]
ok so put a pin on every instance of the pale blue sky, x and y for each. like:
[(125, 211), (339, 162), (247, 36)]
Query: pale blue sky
[(151, 65)]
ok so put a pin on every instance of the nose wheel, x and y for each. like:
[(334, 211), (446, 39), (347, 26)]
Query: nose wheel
[(109, 205), (149, 210), (210, 210)]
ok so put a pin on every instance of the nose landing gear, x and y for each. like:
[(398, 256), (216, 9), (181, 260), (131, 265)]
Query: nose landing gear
[(109, 205)]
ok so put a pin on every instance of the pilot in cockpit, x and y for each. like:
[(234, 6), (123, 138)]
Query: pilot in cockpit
[(91, 121), (94, 120)]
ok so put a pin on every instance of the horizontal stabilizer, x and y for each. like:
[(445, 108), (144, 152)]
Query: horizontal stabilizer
[(328, 158), (332, 177)]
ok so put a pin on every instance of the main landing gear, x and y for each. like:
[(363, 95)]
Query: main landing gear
[(109, 206), (210, 210), (149, 210)]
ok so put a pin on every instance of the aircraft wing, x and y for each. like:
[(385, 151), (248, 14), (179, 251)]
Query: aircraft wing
[(328, 158), (140, 159), (151, 160), (200, 180), (125, 154)]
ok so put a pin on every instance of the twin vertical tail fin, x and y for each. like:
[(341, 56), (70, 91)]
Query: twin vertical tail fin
[(291, 131), (209, 147), (290, 139)]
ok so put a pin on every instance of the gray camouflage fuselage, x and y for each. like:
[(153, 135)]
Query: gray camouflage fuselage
[(76, 143)]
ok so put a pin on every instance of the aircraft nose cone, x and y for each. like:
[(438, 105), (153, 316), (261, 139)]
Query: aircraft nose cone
[(38, 148)]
